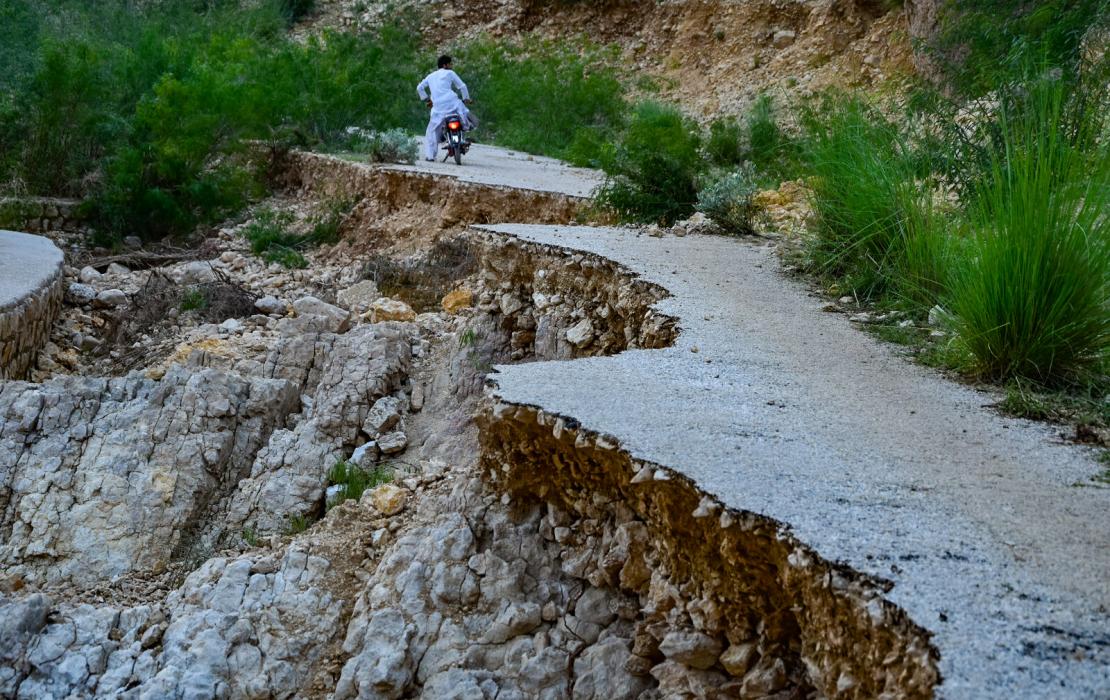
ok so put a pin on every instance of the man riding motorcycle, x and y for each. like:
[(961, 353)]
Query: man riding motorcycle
[(438, 91)]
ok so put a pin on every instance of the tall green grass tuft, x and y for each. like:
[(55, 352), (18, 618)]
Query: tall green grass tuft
[(1032, 298), (877, 232), (652, 174)]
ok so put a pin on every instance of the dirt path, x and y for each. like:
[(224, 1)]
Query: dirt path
[(779, 409)]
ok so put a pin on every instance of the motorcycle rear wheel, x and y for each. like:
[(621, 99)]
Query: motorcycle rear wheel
[(458, 155)]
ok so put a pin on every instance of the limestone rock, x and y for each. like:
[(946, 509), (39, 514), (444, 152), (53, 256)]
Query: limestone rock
[(510, 304), (64, 445), (783, 38), (769, 676), (270, 305), (678, 681), (118, 269), (333, 318), (691, 648), (386, 309), (601, 674), (358, 297), (110, 299), (80, 294), (393, 443), (89, 274), (458, 300), (581, 333), (383, 417), (289, 473), (388, 499), (738, 658), (364, 456), (194, 272)]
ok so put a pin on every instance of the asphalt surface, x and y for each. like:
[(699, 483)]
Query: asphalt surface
[(487, 165), (26, 264), (990, 528)]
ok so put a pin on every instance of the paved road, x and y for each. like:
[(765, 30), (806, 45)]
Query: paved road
[(26, 264), (793, 413), (488, 165)]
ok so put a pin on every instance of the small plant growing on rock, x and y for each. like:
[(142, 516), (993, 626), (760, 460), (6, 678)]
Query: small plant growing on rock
[(298, 524), (353, 481), (194, 300), (250, 537), (729, 202)]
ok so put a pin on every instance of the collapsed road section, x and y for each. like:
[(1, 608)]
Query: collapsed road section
[(584, 463), (972, 521)]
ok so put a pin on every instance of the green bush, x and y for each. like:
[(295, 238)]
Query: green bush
[(1032, 297), (392, 146), (728, 202), (985, 45), (542, 97), (652, 174), (271, 239), (725, 143)]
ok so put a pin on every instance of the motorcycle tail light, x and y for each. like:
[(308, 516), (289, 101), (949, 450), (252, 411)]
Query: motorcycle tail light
[(453, 126)]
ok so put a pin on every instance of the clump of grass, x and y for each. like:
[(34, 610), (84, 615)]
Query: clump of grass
[(194, 299), (652, 174), (769, 149), (354, 481), (729, 202), (271, 238), (876, 228), (250, 537), (298, 524), (724, 145), (1032, 297)]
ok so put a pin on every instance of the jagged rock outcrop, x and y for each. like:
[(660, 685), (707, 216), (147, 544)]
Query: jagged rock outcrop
[(287, 478), (99, 477)]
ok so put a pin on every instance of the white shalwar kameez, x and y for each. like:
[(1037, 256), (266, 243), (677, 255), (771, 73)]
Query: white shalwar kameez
[(445, 102)]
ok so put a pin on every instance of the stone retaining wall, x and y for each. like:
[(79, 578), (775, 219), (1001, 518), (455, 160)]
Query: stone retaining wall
[(40, 214), (30, 299)]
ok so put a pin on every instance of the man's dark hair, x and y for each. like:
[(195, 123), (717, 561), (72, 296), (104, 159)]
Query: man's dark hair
[(444, 61)]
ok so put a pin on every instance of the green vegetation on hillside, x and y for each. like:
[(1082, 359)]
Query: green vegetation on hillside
[(149, 110)]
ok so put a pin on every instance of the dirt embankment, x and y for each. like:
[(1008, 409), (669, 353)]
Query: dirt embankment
[(712, 56)]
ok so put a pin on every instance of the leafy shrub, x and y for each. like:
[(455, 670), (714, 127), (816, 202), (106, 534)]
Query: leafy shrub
[(542, 96), (1032, 297), (728, 202), (652, 173), (392, 146), (271, 238), (985, 45)]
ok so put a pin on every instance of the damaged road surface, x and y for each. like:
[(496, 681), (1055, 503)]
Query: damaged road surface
[(604, 466), (969, 522)]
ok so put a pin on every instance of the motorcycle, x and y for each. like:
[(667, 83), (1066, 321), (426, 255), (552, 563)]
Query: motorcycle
[(453, 132)]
